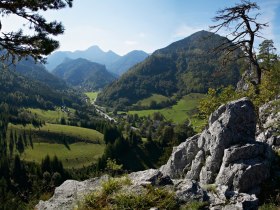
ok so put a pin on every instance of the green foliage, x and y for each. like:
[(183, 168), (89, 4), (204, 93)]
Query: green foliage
[(112, 167), (268, 90), (195, 205), (38, 43), (111, 196), (214, 99), (267, 56), (268, 206)]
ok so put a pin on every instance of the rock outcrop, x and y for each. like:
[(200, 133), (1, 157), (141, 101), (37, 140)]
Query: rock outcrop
[(269, 126), (225, 153), (67, 195), (223, 165)]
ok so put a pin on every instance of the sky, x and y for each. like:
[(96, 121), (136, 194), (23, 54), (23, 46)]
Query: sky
[(148, 25)]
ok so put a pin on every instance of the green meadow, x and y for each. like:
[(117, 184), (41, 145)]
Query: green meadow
[(184, 109), (76, 156), (155, 97), (86, 149), (51, 116), (92, 95), (72, 131)]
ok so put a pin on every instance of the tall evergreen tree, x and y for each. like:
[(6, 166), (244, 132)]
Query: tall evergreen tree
[(20, 145), (11, 143)]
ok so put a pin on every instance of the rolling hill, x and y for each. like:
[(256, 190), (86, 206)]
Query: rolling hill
[(84, 74), (125, 62), (188, 65)]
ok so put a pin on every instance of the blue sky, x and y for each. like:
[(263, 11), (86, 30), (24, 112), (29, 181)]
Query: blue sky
[(125, 25)]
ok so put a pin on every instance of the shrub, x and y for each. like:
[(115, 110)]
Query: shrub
[(110, 196)]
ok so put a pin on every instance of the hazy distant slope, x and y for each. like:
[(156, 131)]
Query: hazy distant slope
[(127, 61), (93, 53), (84, 74), (185, 66), (113, 62), (37, 71)]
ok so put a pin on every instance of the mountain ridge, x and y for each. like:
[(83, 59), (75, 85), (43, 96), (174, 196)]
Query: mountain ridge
[(185, 66), (115, 63), (84, 74)]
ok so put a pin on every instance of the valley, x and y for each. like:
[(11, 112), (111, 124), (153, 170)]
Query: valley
[(182, 115)]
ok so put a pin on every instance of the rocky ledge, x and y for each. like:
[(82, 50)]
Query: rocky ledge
[(223, 165)]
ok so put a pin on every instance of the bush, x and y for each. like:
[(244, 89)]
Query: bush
[(111, 196), (195, 205)]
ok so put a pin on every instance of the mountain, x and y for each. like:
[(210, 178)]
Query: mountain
[(84, 74), (188, 65), (19, 91), (93, 53), (125, 62), (114, 63), (38, 72)]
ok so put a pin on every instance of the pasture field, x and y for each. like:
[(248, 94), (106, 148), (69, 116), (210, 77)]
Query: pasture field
[(86, 148), (92, 95), (72, 131), (76, 156), (155, 97), (51, 116), (184, 109)]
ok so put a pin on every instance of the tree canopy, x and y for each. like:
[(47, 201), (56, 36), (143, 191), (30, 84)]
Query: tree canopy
[(267, 56), (17, 44)]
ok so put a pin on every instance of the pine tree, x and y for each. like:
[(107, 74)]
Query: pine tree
[(11, 143), (20, 145), (30, 139)]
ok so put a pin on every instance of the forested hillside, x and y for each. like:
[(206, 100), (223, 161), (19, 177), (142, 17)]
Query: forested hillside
[(36, 71), (188, 65), (21, 91), (84, 74)]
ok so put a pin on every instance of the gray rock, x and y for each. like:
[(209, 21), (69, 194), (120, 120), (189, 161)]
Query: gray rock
[(269, 127), (223, 199), (200, 157), (146, 177), (189, 190), (181, 158), (67, 195), (245, 167)]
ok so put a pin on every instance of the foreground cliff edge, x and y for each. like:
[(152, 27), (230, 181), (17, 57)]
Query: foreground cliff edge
[(225, 157)]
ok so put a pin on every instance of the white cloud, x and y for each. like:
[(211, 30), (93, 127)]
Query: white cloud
[(142, 35), (185, 30), (130, 42)]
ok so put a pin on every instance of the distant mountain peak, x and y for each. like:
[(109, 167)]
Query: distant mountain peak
[(84, 74), (115, 63), (95, 48)]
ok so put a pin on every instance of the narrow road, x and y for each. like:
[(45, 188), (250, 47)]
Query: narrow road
[(103, 114)]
